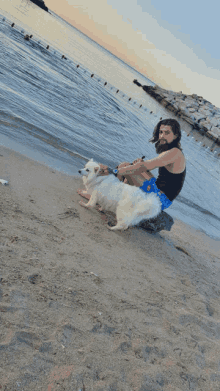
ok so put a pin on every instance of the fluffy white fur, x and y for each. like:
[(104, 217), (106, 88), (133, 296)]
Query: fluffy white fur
[(130, 204), (3, 182)]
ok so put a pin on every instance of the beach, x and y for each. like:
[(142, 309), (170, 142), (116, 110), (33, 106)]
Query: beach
[(84, 308), (77, 117)]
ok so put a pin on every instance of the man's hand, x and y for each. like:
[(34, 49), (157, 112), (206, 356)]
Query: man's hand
[(124, 164), (131, 169), (139, 160), (103, 170)]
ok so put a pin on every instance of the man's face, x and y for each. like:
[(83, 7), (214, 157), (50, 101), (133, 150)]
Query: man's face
[(166, 135)]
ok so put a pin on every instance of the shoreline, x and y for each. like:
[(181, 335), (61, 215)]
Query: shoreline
[(82, 306), (72, 173)]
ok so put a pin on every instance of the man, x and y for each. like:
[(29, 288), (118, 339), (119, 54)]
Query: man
[(171, 164)]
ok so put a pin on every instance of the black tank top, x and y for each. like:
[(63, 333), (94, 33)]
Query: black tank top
[(171, 184)]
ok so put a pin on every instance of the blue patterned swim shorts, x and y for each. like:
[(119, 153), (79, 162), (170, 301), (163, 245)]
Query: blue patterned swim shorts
[(165, 202)]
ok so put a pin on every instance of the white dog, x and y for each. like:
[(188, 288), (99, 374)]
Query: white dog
[(130, 204)]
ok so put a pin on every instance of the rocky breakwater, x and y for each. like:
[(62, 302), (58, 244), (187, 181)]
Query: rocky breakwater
[(194, 109), (40, 4)]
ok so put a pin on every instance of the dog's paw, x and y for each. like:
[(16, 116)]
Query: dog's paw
[(115, 228), (118, 227), (109, 227)]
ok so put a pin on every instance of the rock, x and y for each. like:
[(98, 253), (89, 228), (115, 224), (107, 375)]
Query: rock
[(164, 103), (182, 106), (162, 222), (189, 120), (214, 121), (149, 89), (191, 109), (194, 109), (205, 124), (176, 105), (136, 82), (205, 111), (198, 116), (33, 278), (214, 132), (191, 103)]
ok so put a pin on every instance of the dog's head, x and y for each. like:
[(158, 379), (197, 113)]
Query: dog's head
[(90, 171)]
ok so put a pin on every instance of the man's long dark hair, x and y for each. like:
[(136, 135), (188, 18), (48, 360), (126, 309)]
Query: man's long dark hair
[(175, 126)]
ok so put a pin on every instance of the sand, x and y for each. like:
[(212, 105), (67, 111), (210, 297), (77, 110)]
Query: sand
[(84, 308)]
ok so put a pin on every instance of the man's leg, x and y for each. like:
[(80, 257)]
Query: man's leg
[(135, 179)]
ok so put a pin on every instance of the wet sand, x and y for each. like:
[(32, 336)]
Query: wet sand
[(84, 308)]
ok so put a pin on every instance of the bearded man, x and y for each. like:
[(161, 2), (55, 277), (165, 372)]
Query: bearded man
[(170, 162)]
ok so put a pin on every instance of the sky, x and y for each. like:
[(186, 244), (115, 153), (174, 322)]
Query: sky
[(173, 42)]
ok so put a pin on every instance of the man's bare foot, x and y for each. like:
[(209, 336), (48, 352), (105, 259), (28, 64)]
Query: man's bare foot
[(83, 193)]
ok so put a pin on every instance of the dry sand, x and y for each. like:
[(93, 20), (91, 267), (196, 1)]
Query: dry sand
[(84, 308)]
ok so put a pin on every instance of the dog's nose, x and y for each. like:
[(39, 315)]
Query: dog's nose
[(79, 171)]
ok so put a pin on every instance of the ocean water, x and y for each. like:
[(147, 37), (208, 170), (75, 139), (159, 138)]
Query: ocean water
[(56, 113)]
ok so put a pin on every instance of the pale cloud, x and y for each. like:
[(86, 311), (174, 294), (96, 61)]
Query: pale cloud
[(133, 35)]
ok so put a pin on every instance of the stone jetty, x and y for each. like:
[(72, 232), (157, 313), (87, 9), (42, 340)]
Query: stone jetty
[(194, 109)]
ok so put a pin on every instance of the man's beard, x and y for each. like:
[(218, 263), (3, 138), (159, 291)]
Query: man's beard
[(165, 147)]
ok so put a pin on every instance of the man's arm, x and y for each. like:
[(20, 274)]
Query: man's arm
[(163, 159)]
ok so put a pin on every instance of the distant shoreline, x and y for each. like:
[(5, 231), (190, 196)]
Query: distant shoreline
[(41, 4)]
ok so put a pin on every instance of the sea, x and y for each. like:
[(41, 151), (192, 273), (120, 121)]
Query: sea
[(62, 112)]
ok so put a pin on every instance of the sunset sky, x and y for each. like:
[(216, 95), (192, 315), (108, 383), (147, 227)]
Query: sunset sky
[(172, 42)]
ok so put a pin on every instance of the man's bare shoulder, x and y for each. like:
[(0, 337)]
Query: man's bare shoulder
[(177, 150), (179, 161), (173, 152), (179, 153), (172, 158)]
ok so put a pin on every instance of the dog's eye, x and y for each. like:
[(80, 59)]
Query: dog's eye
[(87, 169)]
